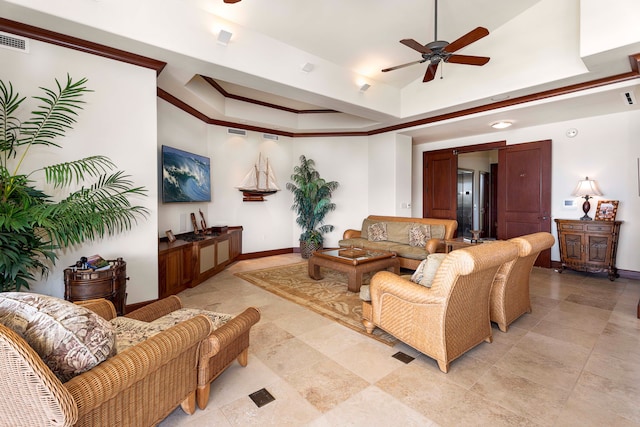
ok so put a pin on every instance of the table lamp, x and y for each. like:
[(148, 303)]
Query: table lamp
[(586, 188)]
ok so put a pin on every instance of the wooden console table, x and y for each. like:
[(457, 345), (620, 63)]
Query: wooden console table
[(185, 264), (589, 245), (82, 285)]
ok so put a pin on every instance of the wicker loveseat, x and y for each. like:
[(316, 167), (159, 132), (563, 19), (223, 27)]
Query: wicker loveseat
[(138, 387), (224, 345), (398, 236), (447, 319)]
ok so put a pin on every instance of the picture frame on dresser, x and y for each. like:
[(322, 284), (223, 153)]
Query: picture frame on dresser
[(606, 210)]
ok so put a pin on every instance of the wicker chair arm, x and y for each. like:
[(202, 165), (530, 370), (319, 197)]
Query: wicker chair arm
[(156, 309), (351, 234), (386, 282), (224, 335), (123, 371), (102, 307)]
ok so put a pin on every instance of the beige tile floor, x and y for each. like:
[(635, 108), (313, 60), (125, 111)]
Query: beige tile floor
[(574, 361)]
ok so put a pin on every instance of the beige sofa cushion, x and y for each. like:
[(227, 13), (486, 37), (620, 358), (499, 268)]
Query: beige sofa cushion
[(398, 232), (69, 338), (130, 332), (426, 271)]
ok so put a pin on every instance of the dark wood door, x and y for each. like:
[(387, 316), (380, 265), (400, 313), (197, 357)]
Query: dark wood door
[(440, 181), (524, 192)]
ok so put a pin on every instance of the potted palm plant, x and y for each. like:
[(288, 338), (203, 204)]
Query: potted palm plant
[(312, 202), (33, 224)]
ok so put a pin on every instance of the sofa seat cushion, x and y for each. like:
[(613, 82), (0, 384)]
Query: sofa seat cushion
[(69, 338), (410, 252), (130, 332)]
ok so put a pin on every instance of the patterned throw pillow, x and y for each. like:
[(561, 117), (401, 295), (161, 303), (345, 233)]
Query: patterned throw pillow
[(426, 271), (419, 234), (69, 338), (377, 232)]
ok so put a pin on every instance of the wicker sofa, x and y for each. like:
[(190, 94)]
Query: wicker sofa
[(447, 319), (137, 387), (397, 239)]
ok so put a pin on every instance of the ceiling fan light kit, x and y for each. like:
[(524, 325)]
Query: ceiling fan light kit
[(439, 51)]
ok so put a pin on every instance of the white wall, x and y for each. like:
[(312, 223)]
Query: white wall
[(605, 149), (119, 121)]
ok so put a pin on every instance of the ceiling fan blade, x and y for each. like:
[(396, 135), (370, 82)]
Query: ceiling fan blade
[(467, 39), (231, 1), (403, 65), (431, 72), (415, 45), (468, 60)]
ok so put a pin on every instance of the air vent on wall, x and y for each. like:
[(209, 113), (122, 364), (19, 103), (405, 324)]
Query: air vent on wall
[(269, 136), (12, 42), (240, 132), (629, 98)]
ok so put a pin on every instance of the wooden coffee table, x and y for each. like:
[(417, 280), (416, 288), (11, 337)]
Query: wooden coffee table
[(353, 262)]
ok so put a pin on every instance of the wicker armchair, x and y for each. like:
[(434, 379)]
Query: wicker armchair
[(219, 350), (449, 318), (510, 292), (138, 387)]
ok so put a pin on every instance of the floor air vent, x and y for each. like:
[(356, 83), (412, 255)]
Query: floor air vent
[(9, 41)]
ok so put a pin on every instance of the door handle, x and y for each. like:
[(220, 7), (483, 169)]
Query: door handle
[(543, 217)]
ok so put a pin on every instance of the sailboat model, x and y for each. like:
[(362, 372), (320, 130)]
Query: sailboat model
[(260, 181)]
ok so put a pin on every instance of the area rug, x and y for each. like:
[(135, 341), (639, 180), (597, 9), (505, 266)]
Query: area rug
[(328, 296)]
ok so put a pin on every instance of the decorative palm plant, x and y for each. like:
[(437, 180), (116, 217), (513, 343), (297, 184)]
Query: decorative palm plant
[(312, 202), (34, 225)]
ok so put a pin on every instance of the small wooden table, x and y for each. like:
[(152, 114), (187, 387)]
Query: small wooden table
[(353, 262), (458, 243)]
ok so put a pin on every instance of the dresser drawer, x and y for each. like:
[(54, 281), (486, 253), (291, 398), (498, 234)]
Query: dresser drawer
[(599, 228), (571, 227)]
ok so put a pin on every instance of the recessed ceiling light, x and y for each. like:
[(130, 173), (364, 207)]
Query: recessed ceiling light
[(307, 67), (502, 124)]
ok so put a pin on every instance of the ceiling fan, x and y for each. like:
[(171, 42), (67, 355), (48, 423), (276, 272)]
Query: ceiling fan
[(231, 1), (438, 50)]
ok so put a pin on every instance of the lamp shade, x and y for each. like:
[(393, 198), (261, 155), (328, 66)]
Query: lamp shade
[(587, 187)]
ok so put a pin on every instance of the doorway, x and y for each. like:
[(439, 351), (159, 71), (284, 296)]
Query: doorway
[(520, 184)]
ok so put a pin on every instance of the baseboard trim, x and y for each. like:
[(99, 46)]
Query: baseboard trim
[(262, 254)]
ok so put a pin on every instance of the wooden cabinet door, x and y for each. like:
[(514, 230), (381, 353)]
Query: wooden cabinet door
[(571, 247), (598, 249)]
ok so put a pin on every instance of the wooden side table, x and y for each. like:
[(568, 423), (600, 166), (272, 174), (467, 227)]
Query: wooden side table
[(589, 246), (110, 284)]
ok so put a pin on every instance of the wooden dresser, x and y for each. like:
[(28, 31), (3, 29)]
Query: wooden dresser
[(589, 245)]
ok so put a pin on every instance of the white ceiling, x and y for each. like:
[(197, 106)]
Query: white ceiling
[(534, 45)]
